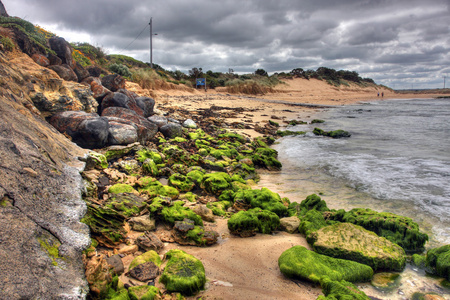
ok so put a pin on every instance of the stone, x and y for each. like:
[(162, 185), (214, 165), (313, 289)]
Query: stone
[(116, 262), (146, 104), (204, 212), (121, 100), (94, 71), (171, 130), (113, 82), (54, 60), (142, 223), (146, 257), (149, 241), (130, 249), (353, 242), (80, 71), (41, 60), (63, 50), (65, 72), (300, 263), (386, 281), (189, 124), (187, 233), (248, 223), (3, 12), (290, 224), (144, 272), (160, 121), (121, 134)]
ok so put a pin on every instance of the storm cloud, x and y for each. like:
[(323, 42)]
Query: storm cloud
[(400, 43)]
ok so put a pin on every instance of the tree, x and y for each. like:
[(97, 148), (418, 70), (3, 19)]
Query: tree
[(261, 72), (298, 72), (195, 72), (178, 75)]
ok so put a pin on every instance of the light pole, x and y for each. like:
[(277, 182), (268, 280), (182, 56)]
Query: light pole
[(151, 45)]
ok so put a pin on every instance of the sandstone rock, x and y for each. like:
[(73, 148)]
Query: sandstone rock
[(205, 213), (65, 72), (144, 272), (171, 130), (352, 242), (63, 50), (146, 104), (149, 241), (99, 91), (142, 223), (113, 82), (290, 225), (130, 249), (160, 121), (116, 262), (41, 60)]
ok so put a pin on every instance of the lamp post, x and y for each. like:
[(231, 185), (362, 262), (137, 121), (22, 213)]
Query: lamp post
[(151, 45)]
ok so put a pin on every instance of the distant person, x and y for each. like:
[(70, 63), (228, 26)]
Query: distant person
[(382, 94), (378, 95)]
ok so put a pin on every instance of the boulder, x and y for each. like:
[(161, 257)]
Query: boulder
[(41, 60), (65, 72), (353, 242), (142, 223), (80, 71), (189, 124), (99, 91), (116, 262), (54, 60), (438, 259), (149, 241), (204, 212), (160, 121), (94, 71), (248, 223), (121, 100), (183, 273), (171, 130), (146, 257), (3, 12), (301, 263), (126, 203), (144, 272), (187, 233), (63, 50), (113, 82), (121, 133), (146, 104), (290, 224)]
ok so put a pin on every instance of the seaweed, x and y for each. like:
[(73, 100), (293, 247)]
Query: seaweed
[(248, 223)]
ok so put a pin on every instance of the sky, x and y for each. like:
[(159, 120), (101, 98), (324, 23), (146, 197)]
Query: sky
[(403, 44)]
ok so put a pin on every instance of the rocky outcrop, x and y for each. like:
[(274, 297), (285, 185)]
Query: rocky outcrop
[(3, 12), (113, 82), (63, 50), (41, 205)]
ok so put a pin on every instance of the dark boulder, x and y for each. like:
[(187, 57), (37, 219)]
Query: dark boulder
[(99, 92), (121, 100), (160, 121), (129, 94), (94, 71), (54, 60), (113, 82), (41, 60), (86, 130), (81, 72), (172, 130), (3, 12), (63, 50), (122, 132), (65, 72), (146, 104)]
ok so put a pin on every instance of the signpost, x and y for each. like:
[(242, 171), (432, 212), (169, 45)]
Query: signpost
[(200, 82)]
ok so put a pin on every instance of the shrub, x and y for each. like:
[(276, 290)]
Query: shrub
[(7, 43), (120, 69)]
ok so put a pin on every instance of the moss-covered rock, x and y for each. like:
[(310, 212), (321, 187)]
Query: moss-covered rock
[(143, 292), (126, 204), (120, 188), (96, 159), (177, 212), (216, 183), (386, 281), (187, 233), (248, 223), (181, 182), (264, 199), (334, 290), (145, 153), (312, 221), (438, 259), (353, 242), (196, 176), (219, 208), (283, 133), (149, 166), (151, 255), (266, 158), (299, 262), (334, 134), (154, 188), (183, 273), (398, 229)]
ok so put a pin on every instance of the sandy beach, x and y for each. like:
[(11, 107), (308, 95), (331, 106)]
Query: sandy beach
[(247, 268)]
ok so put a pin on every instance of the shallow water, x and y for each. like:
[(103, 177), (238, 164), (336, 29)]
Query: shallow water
[(397, 160)]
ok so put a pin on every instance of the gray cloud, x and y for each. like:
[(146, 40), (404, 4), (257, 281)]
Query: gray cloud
[(393, 42)]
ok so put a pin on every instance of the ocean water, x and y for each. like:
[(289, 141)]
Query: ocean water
[(397, 160)]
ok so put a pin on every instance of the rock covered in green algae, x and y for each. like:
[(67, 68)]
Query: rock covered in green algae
[(143, 292), (266, 158), (183, 273), (181, 182), (353, 242), (146, 257), (187, 233), (120, 188), (299, 262), (334, 290), (334, 134), (177, 212), (219, 208), (398, 229), (248, 223), (264, 199), (154, 188), (438, 259), (216, 183), (126, 204), (386, 281)]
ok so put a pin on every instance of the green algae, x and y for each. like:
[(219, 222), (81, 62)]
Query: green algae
[(149, 166), (215, 183), (386, 281), (181, 182), (120, 188), (177, 212), (196, 176), (143, 292), (284, 133), (334, 290), (126, 204), (312, 221), (333, 134), (248, 223), (145, 153), (264, 199), (299, 262), (183, 273), (106, 224), (51, 247), (438, 259), (99, 159), (153, 188), (220, 208), (146, 257), (266, 158)]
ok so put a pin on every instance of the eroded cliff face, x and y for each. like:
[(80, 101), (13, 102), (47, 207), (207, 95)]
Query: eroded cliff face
[(41, 238)]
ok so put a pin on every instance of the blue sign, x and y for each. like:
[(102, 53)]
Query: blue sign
[(201, 81)]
